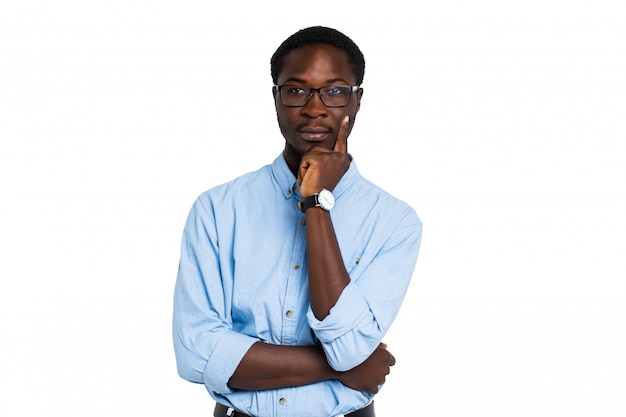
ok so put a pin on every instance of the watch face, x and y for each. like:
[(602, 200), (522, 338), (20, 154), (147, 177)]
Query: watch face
[(326, 199)]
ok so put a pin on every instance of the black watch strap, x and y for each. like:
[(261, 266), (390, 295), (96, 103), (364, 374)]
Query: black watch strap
[(308, 202)]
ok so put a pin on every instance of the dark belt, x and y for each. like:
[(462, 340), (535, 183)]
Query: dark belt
[(222, 411)]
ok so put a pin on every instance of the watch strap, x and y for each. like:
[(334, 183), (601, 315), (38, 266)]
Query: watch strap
[(308, 202)]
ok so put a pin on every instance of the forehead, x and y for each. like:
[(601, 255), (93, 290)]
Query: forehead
[(316, 64)]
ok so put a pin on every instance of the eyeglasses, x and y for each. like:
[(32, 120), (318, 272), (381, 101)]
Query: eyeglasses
[(299, 96)]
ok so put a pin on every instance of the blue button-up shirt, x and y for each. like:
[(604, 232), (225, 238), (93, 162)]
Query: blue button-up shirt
[(243, 278)]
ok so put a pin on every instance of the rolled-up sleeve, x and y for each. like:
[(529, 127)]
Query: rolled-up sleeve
[(207, 350), (365, 310)]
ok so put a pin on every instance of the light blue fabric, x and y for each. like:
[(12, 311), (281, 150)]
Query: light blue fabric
[(243, 266)]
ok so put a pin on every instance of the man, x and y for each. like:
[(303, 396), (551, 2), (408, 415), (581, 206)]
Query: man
[(290, 276)]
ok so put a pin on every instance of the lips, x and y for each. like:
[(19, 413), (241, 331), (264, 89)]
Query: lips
[(314, 133)]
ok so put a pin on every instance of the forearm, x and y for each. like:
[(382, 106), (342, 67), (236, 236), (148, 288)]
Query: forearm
[(327, 273), (369, 303), (267, 366)]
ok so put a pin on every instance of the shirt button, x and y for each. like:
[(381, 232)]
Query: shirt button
[(289, 313), (296, 266), (282, 401), (288, 192)]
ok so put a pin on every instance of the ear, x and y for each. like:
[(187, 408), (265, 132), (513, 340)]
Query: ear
[(359, 94), (275, 96)]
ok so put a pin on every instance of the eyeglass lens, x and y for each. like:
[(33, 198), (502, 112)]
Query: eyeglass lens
[(297, 96)]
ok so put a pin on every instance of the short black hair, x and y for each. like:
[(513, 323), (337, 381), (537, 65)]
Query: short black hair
[(319, 35)]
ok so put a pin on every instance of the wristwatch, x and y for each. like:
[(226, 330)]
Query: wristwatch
[(323, 199)]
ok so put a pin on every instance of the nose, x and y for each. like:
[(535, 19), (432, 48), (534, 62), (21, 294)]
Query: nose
[(314, 107)]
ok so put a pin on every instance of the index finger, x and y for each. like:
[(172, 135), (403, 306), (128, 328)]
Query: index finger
[(341, 145)]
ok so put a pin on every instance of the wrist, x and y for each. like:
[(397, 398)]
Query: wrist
[(324, 199)]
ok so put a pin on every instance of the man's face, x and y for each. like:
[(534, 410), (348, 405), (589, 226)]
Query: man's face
[(314, 124)]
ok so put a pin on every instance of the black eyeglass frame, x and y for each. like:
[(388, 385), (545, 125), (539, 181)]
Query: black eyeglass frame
[(353, 88)]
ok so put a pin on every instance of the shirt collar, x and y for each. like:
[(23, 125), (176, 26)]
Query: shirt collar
[(288, 185)]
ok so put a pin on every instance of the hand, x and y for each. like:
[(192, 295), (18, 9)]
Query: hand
[(369, 375), (323, 168)]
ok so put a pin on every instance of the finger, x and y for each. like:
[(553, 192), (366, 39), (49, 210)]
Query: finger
[(392, 360), (305, 163), (341, 145)]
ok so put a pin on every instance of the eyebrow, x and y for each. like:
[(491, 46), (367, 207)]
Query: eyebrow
[(301, 81)]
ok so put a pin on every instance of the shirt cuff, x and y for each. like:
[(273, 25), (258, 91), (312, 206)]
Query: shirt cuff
[(349, 333), (224, 360)]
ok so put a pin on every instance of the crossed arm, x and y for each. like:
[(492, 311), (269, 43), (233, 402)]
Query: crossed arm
[(268, 366)]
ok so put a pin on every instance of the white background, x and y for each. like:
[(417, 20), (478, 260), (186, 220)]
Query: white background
[(502, 123)]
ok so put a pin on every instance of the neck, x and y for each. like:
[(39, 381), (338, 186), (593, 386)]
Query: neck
[(293, 159)]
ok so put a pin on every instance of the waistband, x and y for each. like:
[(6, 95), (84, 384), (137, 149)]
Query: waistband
[(223, 411)]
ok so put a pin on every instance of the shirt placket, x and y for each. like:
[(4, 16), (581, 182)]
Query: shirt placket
[(297, 274), (291, 314)]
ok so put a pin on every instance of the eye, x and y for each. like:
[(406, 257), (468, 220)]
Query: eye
[(335, 91), (295, 91)]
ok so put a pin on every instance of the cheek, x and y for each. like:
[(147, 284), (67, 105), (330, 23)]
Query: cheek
[(285, 125), (283, 122), (285, 118)]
